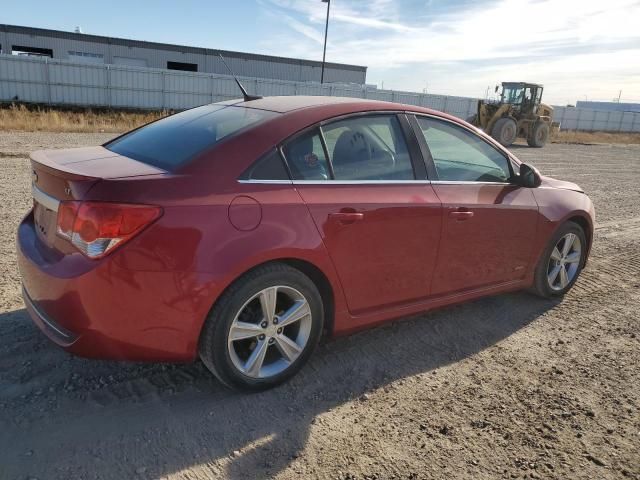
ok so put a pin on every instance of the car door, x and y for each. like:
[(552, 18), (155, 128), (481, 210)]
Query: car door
[(380, 225), (489, 223)]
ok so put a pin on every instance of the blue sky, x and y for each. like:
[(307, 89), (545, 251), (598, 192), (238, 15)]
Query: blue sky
[(576, 48)]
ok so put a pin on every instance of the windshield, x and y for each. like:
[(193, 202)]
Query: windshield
[(512, 94), (173, 141)]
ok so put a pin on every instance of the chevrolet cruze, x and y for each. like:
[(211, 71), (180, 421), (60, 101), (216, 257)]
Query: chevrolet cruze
[(240, 232)]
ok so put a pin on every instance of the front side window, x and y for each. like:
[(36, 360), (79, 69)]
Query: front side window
[(368, 148), (460, 155), (172, 141)]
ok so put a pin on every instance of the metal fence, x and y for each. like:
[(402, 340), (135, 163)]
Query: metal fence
[(57, 82), (571, 118)]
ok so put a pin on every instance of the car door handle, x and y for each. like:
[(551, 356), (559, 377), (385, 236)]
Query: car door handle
[(461, 214), (346, 218)]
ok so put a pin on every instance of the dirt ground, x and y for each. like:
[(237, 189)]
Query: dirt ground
[(510, 386)]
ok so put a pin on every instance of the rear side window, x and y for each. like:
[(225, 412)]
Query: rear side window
[(171, 142), (269, 167), (370, 147), (364, 148)]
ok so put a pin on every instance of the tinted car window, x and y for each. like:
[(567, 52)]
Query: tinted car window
[(460, 155), (269, 167), (368, 148), (173, 141), (305, 157)]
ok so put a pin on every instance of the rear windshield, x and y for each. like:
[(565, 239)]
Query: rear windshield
[(171, 142)]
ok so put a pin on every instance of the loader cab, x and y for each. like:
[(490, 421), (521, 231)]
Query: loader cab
[(524, 97)]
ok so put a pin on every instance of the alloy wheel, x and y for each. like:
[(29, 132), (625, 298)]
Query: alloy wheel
[(269, 332), (564, 261)]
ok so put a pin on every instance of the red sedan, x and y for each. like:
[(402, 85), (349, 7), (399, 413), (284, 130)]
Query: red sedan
[(239, 232)]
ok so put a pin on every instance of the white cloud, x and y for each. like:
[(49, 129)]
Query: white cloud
[(574, 47)]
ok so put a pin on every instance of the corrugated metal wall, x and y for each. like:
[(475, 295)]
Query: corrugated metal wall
[(615, 106), (56, 82), (572, 118)]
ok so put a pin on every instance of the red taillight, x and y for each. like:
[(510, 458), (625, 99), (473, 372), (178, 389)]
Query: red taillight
[(96, 228)]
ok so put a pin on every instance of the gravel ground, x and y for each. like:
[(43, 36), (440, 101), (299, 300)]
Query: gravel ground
[(510, 386)]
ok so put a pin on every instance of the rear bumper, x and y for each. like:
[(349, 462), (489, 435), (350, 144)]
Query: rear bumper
[(57, 333), (100, 309)]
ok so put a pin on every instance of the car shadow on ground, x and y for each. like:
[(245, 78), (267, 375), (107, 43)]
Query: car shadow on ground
[(147, 421)]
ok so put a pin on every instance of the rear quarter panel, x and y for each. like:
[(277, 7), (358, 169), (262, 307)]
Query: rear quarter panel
[(196, 240)]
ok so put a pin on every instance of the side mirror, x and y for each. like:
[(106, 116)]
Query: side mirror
[(529, 176)]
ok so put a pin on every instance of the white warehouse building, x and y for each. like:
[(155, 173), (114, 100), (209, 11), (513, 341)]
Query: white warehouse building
[(95, 49)]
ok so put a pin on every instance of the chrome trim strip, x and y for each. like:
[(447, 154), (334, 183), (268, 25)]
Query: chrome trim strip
[(361, 182), (44, 199), (467, 182), (44, 319), (372, 182), (268, 182), (340, 182)]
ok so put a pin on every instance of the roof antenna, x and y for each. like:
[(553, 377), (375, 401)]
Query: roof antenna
[(246, 96)]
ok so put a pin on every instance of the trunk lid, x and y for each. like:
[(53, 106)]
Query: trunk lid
[(68, 174)]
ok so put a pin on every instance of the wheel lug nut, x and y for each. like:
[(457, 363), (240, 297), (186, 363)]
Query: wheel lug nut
[(280, 330), (264, 324), (271, 340), (275, 321), (262, 337)]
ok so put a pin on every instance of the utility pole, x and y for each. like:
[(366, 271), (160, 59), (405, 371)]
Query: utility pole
[(326, 30), (619, 95)]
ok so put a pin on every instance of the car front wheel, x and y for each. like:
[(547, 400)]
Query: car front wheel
[(562, 261), (263, 328)]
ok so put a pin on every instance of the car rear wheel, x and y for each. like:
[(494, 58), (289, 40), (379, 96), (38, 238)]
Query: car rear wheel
[(561, 262), (505, 131), (263, 328)]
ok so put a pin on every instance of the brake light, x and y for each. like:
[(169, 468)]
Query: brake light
[(96, 228)]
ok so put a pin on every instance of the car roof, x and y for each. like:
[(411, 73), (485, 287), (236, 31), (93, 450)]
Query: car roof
[(285, 104), (297, 113)]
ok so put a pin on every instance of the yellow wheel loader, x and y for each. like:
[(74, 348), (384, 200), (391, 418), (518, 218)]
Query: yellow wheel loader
[(518, 113)]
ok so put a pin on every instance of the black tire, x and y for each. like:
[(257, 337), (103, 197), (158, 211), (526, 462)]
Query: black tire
[(505, 131), (539, 135), (541, 285), (213, 345)]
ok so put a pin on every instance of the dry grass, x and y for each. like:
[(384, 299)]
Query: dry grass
[(595, 137), (19, 117)]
